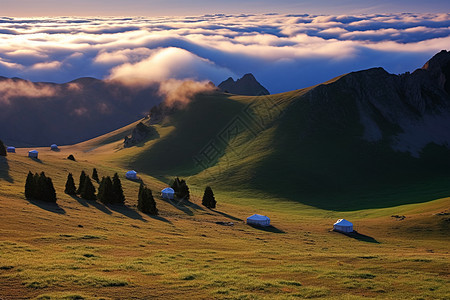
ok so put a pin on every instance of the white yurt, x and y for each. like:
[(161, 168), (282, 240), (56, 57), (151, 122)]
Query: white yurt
[(168, 193), (343, 225), (53, 147), (33, 153), (258, 220), (131, 174), (11, 150)]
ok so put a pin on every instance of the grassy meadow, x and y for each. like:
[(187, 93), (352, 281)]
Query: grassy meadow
[(82, 249)]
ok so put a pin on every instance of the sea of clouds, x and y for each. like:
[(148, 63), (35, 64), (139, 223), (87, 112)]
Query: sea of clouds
[(284, 52)]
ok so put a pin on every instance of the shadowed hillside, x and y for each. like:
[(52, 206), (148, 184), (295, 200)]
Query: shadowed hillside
[(365, 139)]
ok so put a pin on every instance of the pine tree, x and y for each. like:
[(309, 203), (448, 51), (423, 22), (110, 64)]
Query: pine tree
[(105, 191), (29, 186), (88, 191), (95, 175), (208, 198), (146, 202), (70, 185), (81, 185), (141, 188), (50, 191), (181, 189), (119, 197), (2, 149)]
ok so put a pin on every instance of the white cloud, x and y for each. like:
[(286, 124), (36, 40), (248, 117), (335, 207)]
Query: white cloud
[(164, 64), (278, 49)]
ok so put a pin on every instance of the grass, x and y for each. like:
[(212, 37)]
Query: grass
[(82, 249)]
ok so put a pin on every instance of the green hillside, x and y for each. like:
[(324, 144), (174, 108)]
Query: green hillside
[(294, 146)]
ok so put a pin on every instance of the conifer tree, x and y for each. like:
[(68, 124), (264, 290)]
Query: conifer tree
[(81, 185), (181, 189), (70, 185), (105, 191), (119, 197), (40, 187), (208, 198), (146, 202), (95, 175), (2, 149), (88, 191), (29, 186), (50, 192)]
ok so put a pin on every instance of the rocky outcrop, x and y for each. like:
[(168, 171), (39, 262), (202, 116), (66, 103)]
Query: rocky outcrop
[(140, 133), (247, 85), (409, 111)]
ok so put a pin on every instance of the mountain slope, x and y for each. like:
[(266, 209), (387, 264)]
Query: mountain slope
[(363, 137)]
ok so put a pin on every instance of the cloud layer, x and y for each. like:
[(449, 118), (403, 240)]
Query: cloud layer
[(284, 52)]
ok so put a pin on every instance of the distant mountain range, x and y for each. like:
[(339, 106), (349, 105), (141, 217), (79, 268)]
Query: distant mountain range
[(39, 114)]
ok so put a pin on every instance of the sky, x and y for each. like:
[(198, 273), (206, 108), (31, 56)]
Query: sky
[(36, 8), (302, 44)]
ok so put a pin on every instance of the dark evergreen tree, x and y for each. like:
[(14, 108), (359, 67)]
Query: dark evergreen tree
[(181, 189), (29, 186), (105, 191), (70, 185), (71, 157), (141, 188), (146, 202), (2, 149), (81, 185), (208, 198), (40, 187), (95, 175), (50, 192), (88, 191), (119, 197)]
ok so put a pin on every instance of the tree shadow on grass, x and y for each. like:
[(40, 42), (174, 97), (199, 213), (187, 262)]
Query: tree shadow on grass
[(127, 212), (182, 205), (4, 170), (226, 215), (159, 218), (48, 206), (270, 228), (86, 203), (36, 160), (360, 237)]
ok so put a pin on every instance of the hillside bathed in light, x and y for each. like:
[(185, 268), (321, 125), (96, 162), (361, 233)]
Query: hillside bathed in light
[(238, 150)]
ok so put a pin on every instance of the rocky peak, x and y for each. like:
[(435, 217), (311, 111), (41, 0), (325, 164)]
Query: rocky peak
[(247, 85), (438, 68)]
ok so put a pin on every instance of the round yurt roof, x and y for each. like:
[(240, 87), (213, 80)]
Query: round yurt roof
[(132, 172), (53, 145), (33, 151), (343, 222), (168, 190), (258, 217)]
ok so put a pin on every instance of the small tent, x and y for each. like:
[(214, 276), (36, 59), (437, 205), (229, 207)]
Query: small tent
[(53, 147), (258, 220), (131, 174), (33, 153), (11, 150), (168, 193), (343, 225)]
